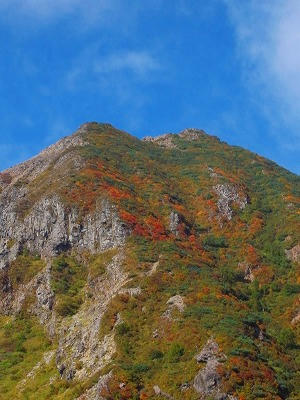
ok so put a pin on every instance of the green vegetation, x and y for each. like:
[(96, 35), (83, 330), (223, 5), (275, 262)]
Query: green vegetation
[(68, 281), (22, 345)]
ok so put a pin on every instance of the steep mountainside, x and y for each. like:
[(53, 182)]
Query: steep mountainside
[(166, 268)]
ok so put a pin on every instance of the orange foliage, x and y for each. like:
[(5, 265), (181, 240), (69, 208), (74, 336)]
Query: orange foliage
[(292, 199), (93, 173), (264, 274), (179, 208), (206, 290), (252, 256), (144, 396), (227, 176), (256, 225)]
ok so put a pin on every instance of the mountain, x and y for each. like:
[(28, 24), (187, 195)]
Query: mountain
[(163, 268)]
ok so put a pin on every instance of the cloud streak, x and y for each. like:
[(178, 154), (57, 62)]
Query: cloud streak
[(268, 36), (140, 63)]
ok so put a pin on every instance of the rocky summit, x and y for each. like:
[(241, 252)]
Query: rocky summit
[(163, 268)]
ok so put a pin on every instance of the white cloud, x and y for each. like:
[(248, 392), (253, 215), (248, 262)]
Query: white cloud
[(138, 62), (268, 34)]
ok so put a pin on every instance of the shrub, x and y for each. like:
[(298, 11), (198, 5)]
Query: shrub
[(213, 241), (156, 354), (68, 305), (175, 352), (197, 311), (122, 329), (291, 289), (286, 338)]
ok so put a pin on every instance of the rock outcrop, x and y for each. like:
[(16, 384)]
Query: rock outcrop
[(249, 270), (208, 380), (191, 134), (94, 393), (174, 222), (229, 194), (165, 140), (157, 390), (174, 303), (294, 253)]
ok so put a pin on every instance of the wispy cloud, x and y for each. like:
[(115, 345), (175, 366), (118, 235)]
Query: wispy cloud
[(268, 35), (123, 77), (138, 62), (115, 69)]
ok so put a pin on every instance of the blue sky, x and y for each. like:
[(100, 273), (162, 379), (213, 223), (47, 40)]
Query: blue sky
[(230, 67)]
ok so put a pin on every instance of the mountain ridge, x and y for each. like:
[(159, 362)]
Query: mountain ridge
[(147, 269)]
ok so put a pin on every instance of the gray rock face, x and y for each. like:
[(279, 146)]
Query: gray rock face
[(209, 352), (153, 268), (158, 392), (165, 140), (249, 270), (296, 319), (43, 307), (294, 253), (131, 291), (11, 302), (174, 222), (95, 392), (191, 134), (174, 302), (51, 228), (208, 381), (229, 194)]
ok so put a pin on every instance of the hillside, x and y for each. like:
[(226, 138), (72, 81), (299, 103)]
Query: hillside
[(163, 268)]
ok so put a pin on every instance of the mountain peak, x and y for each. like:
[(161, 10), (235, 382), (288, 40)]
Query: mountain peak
[(191, 133), (87, 126), (167, 139)]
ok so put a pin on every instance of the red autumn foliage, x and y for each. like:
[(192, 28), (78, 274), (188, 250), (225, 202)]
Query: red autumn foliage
[(156, 228), (140, 230), (115, 193), (128, 218)]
